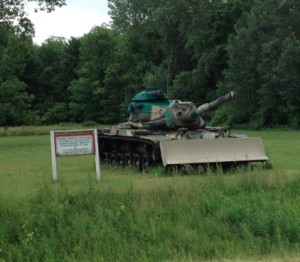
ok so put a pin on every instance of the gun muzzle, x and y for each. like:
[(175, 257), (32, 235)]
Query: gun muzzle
[(212, 105)]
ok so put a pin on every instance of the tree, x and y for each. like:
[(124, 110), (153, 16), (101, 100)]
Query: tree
[(178, 45), (70, 61), (50, 69), (97, 93), (288, 79), (16, 54), (206, 29), (153, 42), (12, 12), (259, 69), (51, 86), (15, 102)]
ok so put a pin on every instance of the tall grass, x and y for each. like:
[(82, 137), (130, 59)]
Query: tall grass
[(193, 218), (42, 130)]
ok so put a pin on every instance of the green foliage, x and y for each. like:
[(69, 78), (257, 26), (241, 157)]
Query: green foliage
[(97, 94), (287, 77), (186, 86), (205, 218), (192, 50), (50, 86), (256, 61), (57, 113), (150, 216), (222, 116), (50, 70), (44, 130), (14, 103), (206, 31), (13, 13)]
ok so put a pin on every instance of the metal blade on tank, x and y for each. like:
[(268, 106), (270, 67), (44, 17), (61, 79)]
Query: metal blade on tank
[(197, 151)]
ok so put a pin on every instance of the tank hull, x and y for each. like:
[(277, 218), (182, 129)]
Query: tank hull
[(144, 148)]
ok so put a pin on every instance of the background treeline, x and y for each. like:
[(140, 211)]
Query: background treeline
[(194, 50)]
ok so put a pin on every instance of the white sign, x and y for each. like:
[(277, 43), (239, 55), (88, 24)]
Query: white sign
[(74, 143)]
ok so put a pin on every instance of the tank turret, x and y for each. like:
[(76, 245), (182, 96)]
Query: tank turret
[(152, 109)]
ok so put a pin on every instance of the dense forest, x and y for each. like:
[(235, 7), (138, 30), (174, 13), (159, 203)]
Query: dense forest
[(194, 50)]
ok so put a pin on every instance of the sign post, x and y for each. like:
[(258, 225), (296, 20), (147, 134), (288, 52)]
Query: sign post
[(74, 143)]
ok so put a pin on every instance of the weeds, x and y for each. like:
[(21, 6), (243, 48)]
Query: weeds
[(42, 130), (208, 218), (158, 215)]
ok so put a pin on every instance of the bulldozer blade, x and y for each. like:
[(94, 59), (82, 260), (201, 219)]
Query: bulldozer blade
[(197, 151)]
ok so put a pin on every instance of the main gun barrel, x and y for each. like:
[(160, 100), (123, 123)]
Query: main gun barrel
[(212, 105)]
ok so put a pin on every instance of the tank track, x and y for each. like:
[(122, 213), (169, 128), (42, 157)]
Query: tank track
[(139, 152)]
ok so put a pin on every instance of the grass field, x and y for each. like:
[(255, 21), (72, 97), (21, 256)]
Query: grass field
[(130, 216), (282, 147)]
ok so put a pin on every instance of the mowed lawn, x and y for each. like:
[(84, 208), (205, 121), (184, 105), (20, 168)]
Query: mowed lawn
[(25, 163), (282, 148)]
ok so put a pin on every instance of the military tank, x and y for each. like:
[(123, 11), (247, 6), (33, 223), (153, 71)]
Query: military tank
[(169, 131)]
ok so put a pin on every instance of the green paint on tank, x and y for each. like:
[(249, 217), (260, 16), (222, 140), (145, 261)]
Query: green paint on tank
[(152, 109)]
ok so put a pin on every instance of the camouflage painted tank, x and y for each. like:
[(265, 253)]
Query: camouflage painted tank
[(173, 132)]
